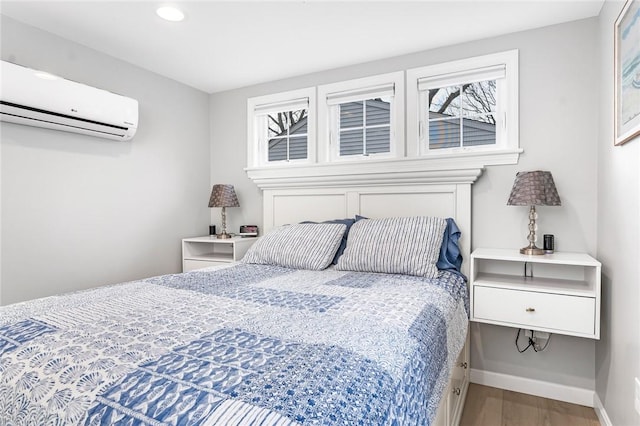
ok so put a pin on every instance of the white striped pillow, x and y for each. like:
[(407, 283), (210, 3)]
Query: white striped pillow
[(400, 245), (301, 246)]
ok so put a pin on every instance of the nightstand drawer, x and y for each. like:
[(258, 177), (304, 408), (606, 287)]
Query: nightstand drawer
[(527, 309), (192, 265)]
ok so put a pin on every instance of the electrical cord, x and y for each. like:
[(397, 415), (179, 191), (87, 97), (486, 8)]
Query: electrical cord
[(531, 343), (526, 347)]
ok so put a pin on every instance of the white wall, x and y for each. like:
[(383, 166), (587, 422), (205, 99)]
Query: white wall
[(558, 131), (77, 211), (618, 352)]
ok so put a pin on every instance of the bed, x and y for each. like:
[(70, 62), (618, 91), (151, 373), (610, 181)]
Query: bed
[(262, 342)]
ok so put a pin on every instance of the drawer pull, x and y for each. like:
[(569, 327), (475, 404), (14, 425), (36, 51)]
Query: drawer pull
[(463, 365), (530, 309), (456, 391)]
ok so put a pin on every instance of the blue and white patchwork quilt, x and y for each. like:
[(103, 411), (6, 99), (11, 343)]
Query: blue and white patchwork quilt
[(248, 344)]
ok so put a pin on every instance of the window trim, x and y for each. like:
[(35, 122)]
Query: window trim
[(457, 72), (350, 90), (257, 155), (407, 165)]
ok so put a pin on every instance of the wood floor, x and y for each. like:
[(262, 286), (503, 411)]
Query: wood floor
[(486, 406)]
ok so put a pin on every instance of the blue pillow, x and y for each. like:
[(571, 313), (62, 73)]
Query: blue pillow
[(343, 242), (450, 257)]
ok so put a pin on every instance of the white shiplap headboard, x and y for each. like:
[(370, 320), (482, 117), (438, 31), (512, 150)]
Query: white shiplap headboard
[(291, 205)]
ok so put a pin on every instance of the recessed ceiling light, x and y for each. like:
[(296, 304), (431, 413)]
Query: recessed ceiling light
[(170, 13)]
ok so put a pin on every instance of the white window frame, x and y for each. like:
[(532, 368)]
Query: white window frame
[(257, 149), (419, 80), (355, 90)]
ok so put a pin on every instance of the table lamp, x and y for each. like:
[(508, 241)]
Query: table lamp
[(223, 196), (533, 189)]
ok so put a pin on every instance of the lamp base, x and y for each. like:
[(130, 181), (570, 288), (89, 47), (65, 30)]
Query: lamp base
[(529, 250), (224, 236)]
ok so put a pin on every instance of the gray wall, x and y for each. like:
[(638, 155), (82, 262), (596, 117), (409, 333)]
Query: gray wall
[(618, 352), (78, 211), (558, 131)]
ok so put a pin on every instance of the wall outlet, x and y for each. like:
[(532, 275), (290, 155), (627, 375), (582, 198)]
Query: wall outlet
[(540, 339), (541, 335), (637, 403)]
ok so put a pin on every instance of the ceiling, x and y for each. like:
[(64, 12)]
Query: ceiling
[(223, 45)]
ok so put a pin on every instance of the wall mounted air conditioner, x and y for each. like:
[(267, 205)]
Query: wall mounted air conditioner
[(36, 98)]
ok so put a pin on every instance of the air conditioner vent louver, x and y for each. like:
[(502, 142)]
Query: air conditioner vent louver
[(59, 104)]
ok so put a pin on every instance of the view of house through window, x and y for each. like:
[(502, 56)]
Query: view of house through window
[(287, 135), (465, 108), (462, 115), (365, 127)]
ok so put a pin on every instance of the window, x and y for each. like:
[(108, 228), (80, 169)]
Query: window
[(465, 107), (281, 128), (363, 126), (287, 133), (460, 115), (463, 115), (363, 117)]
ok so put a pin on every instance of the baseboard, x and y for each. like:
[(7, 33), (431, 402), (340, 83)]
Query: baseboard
[(549, 390), (600, 411)]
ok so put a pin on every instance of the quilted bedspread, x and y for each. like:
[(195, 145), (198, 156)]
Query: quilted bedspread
[(247, 344)]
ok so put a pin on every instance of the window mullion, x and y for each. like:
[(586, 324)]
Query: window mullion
[(288, 146), (364, 127), (461, 114)]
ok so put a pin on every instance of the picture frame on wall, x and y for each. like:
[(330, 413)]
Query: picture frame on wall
[(627, 73)]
